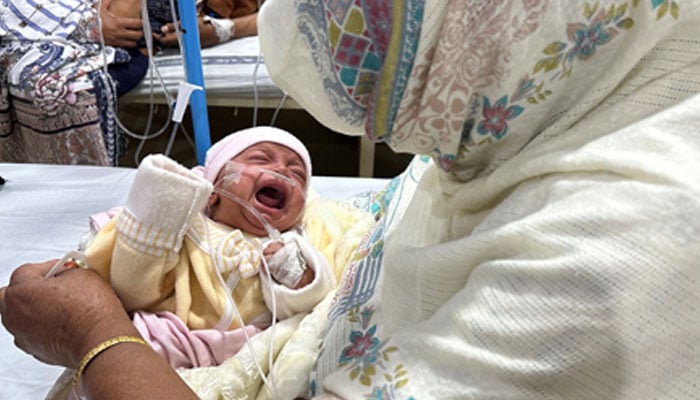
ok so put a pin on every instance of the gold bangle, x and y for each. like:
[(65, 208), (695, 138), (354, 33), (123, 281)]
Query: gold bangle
[(97, 350)]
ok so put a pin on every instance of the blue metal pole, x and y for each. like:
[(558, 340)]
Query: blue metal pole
[(195, 76)]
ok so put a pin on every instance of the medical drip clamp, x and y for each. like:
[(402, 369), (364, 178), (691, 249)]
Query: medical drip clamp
[(188, 38), (184, 92)]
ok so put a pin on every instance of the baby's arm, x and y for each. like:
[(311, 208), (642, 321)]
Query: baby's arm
[(161, 205), (300, 276)]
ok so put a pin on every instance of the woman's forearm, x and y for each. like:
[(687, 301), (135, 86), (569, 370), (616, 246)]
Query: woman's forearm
[(141, 374), (128, 370)]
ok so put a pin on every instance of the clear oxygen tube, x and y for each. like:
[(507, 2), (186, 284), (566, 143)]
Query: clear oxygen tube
[(275, 191)]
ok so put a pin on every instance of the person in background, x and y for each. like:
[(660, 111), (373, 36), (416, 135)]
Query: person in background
[(124, 33), (218, 21), (56, 99), (549, 246)]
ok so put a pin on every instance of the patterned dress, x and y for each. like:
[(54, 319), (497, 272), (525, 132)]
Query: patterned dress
[(57, 103)]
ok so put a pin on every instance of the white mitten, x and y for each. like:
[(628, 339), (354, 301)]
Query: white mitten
[(163, 198), (287, 265)]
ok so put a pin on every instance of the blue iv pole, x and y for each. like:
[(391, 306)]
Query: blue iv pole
[(195, 78)]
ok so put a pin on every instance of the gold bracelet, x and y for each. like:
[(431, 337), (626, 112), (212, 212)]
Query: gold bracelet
[(97, 350)]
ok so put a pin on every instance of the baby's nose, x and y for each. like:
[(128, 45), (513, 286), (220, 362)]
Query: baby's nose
[(280, 168)]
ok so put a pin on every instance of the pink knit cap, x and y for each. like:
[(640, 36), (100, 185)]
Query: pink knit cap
[(232, 145)]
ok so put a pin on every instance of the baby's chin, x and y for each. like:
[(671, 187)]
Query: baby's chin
[(277, 219), (257, 228)]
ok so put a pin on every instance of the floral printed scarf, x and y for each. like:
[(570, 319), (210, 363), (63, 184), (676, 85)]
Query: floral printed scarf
[(550, 246), (470, 83)]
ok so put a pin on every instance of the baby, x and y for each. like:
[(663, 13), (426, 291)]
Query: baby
[(199, 243)]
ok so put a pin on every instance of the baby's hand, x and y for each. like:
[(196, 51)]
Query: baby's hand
[(287, 265), (306, 278), (271, 249)]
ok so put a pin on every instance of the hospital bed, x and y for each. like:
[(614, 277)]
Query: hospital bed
[(44, 213), (234, 76)]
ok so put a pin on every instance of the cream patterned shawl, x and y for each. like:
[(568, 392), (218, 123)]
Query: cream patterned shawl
[(550, 249)]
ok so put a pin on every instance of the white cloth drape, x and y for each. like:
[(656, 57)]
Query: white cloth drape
[(550, 251)]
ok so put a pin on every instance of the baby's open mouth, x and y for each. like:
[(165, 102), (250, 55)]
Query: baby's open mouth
[(272, 197)]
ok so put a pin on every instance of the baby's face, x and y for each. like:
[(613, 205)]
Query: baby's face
[(277, 200)]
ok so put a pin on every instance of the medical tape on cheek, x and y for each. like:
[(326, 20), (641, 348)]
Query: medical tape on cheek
[(233, 171)]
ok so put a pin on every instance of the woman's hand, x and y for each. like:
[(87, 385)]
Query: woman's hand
[(59, 319), (118, 31)]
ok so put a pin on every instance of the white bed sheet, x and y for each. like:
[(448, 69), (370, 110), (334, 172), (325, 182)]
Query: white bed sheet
[(44, 211), (233, 72)]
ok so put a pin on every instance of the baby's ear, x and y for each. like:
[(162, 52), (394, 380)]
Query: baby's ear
[(213, 200)]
